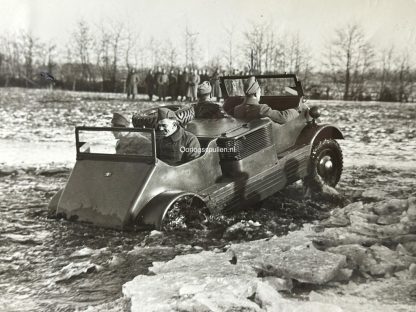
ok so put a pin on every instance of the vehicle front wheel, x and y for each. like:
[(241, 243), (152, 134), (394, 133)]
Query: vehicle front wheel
[(326, 163), (185, 213)]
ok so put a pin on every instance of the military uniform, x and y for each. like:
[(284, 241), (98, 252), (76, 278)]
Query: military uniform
[(183, 85), (205, 108), (193, 81), (254, 111), (208, 109), (163, 81), (169, 148), (251, 109), (150, 84), (173, 86), (215, 82), (132, 82)]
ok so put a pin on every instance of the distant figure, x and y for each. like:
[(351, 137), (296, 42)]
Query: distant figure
[(174, 145), (204, 76), (150, 84), (173, 85), (183, 84), (157, 75), (250, 109), (215, 82), (205, 108), (131, 82), (193, 81), (162, 82), (129, 143)]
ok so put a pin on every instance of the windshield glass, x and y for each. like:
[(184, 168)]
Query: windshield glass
[(115, 142), (268, 86)]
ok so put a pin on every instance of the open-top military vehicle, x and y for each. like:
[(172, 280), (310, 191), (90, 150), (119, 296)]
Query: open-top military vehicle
[(241, 162)]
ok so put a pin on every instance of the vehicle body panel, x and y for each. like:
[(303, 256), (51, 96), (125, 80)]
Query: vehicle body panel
[(102, 192), (192, 176)]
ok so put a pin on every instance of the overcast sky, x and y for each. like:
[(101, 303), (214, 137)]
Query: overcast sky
[(385, 21)]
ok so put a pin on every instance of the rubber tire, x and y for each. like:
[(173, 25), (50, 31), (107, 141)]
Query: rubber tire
[(148, 117), (187, 209), (327, 147)]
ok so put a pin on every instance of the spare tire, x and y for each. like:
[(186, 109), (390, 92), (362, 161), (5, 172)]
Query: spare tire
[(148, 117)]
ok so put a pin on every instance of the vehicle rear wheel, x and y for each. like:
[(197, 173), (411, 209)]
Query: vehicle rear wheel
[(148, 117), (185, 213), (326, 163)]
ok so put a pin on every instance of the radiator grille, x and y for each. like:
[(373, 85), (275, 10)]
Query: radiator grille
[(244, 146)]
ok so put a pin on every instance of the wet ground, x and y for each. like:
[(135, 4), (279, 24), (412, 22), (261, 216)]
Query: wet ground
[(38, 255)]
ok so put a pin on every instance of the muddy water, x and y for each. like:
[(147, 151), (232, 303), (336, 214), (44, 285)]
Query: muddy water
[(37, 253), (34, 249)]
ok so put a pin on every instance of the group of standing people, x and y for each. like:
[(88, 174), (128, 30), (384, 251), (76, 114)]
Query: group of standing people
[(180, 84)]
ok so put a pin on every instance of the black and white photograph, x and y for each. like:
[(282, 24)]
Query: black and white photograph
[(207, 155)]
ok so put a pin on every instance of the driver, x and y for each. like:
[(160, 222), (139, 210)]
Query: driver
[(205, 108), (174, 145), (129, 143), (251, 109)]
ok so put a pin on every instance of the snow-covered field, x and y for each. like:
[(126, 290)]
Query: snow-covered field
[(52, 265)]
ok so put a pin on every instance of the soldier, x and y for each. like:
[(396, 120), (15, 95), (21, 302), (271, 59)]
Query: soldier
[(215, 82), (193, 81), (131, 82), (205, 108), (204, 76), (251, 109), (129, 143), (173, 85), (183, 84), (150, 84), (163, 82), (174, 145)]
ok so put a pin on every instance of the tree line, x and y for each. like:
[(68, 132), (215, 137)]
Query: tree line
[(97, 57)]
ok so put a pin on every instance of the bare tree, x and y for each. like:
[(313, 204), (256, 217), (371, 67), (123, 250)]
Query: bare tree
[(191, 47), (51, 55), (29, 46), (256, 44), (130, 47), (229, 50), (171, 53), (386, 59), (154, 49), (83, 44), (404, 79), (11, 49), (70, 70), (347, 53), (102, 53), (116, 42)]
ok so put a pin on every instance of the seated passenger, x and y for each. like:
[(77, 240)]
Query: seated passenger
[(250, 109), (129, 143), (205, 108), (174, 145)]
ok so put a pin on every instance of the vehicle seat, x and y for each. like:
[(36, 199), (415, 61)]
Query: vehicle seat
[(280, 103), (203, 141), (232, 102)]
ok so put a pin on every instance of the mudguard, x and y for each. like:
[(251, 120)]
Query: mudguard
[(314, 133), (156, 209)]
